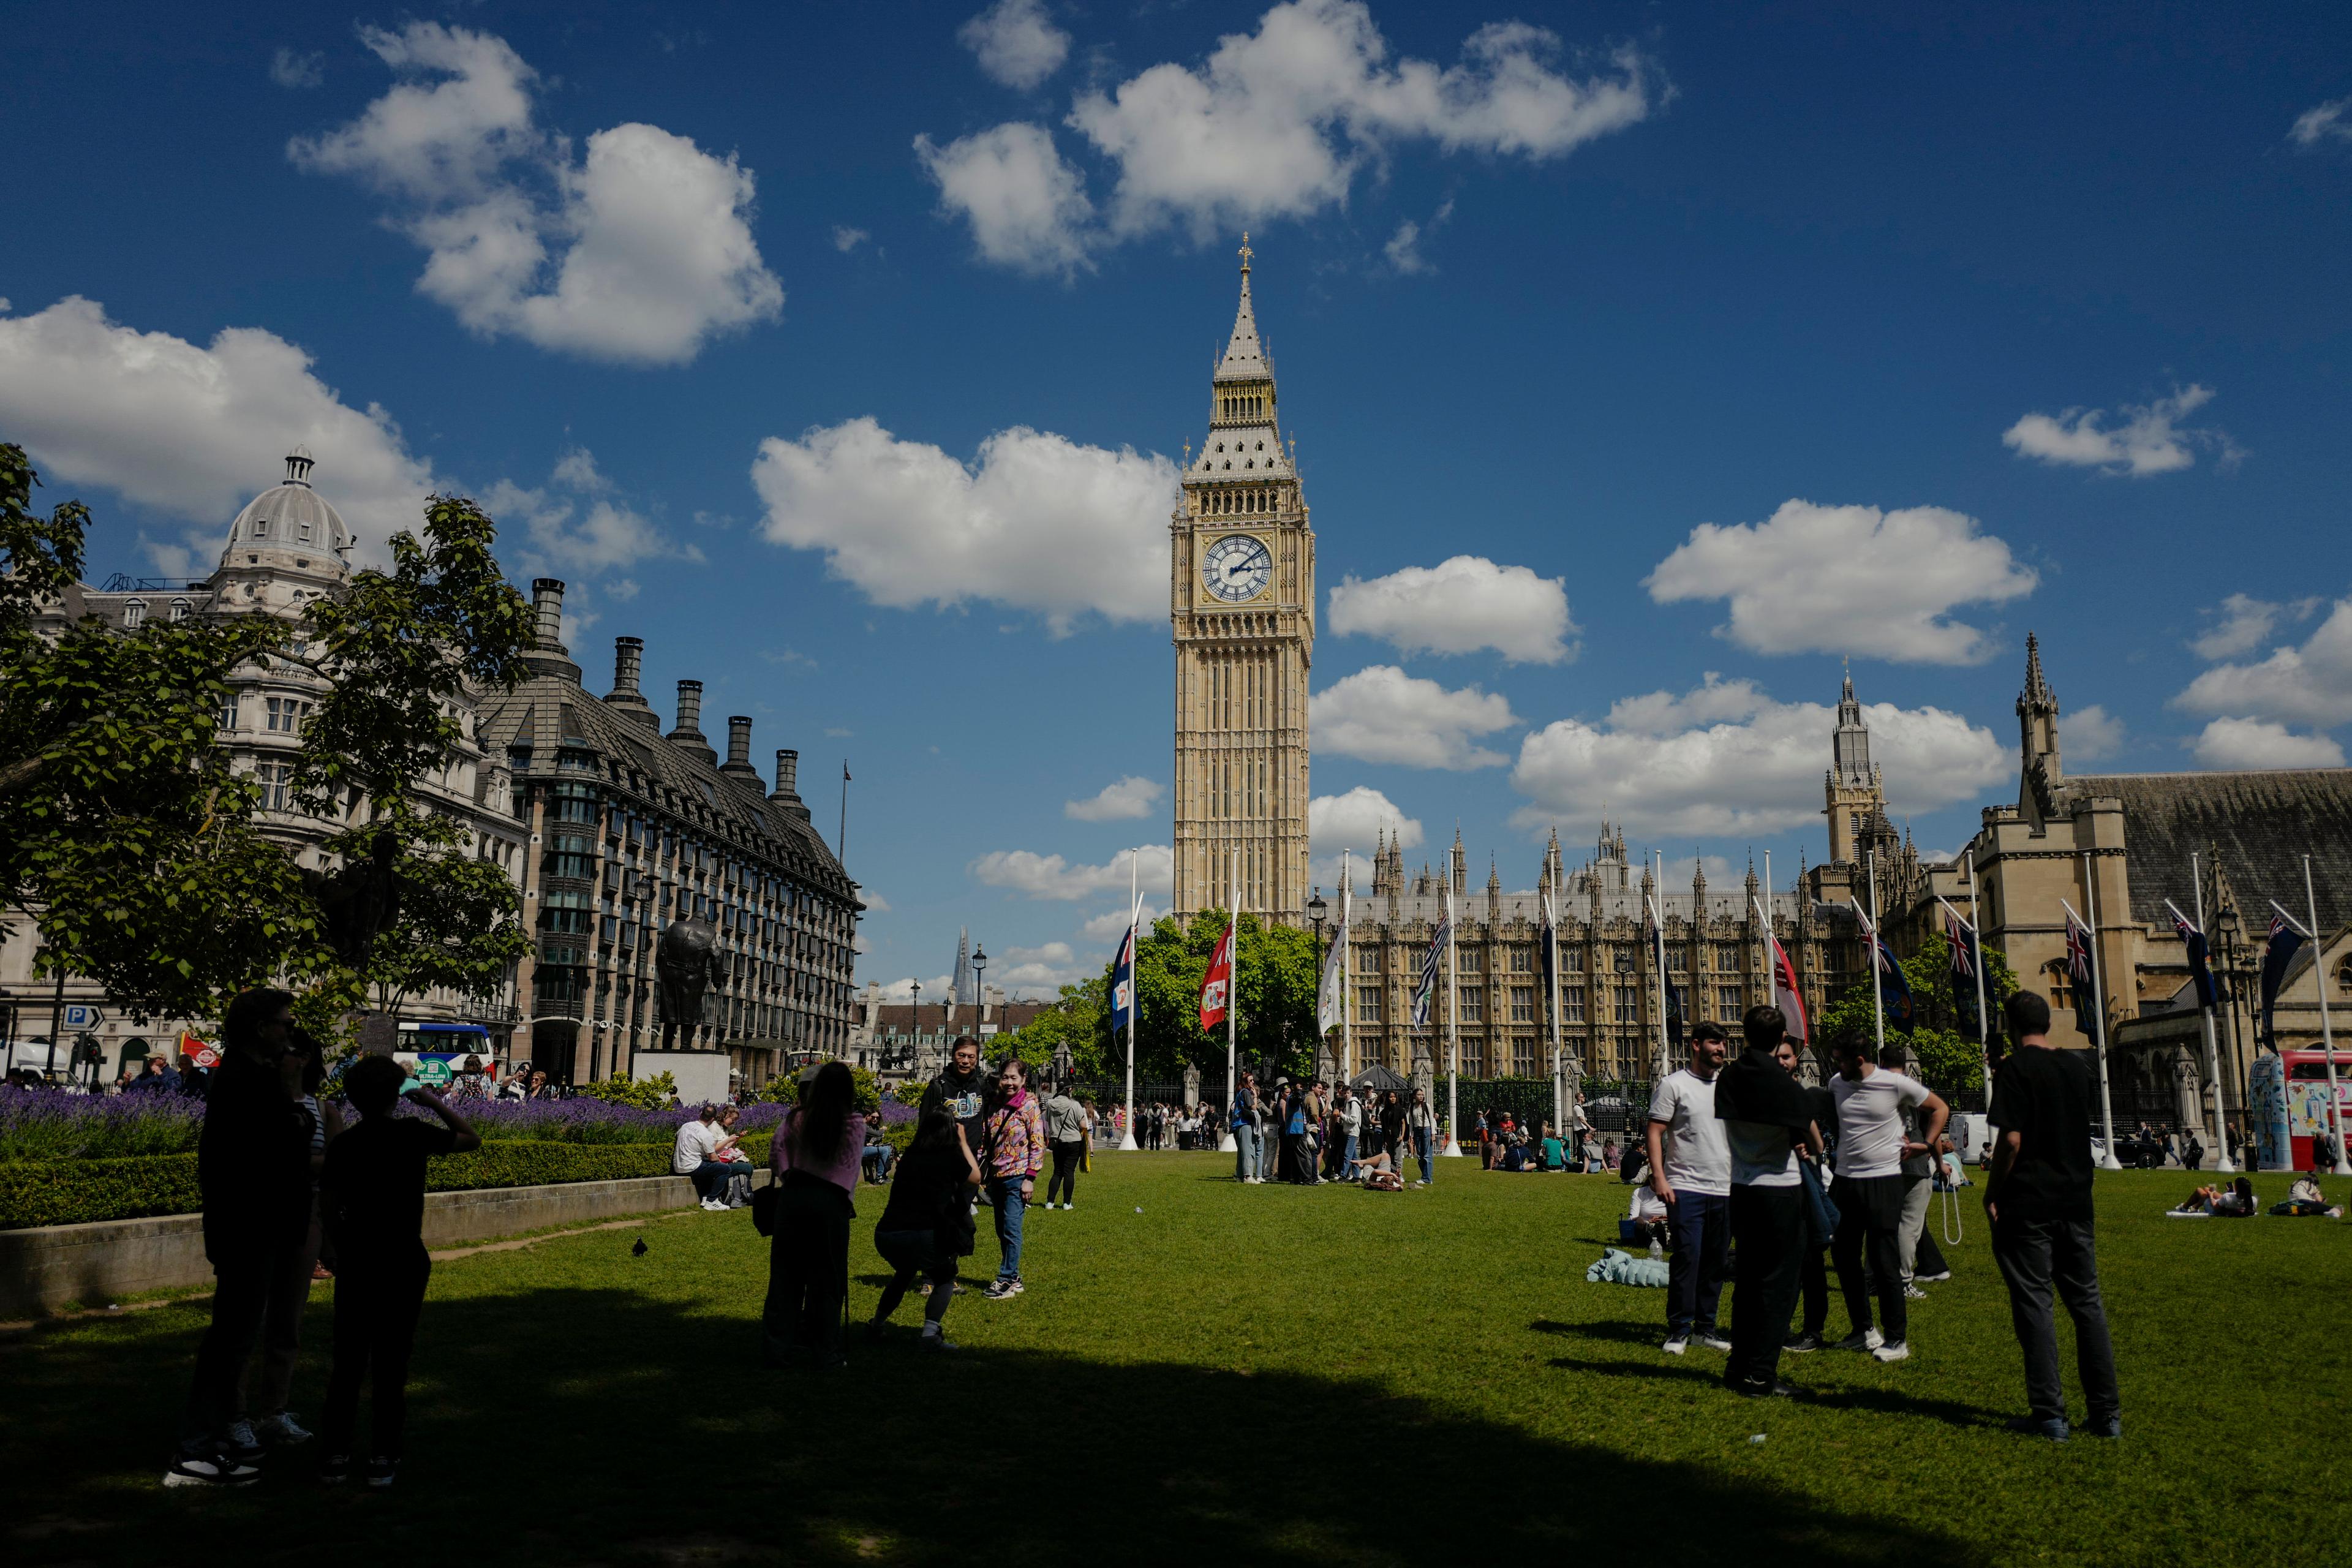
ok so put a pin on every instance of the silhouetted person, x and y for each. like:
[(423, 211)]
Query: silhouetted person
[(1767, 1118)]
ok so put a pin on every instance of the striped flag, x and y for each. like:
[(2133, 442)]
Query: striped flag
[(1426, 993), (1331, 998)]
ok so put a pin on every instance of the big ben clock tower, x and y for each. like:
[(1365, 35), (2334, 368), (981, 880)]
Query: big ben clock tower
[(1242, 601)]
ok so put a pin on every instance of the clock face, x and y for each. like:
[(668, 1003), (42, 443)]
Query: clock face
[(1237, 567)]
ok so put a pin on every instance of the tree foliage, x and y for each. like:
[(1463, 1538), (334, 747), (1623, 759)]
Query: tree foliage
[(1079, 1019), (1274, 988), (137, 849), (1943, 1033)]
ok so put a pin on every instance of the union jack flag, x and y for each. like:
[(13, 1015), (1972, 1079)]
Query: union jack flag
[(2078, 966)]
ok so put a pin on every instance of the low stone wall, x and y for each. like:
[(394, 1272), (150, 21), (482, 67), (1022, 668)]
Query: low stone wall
[(47, 1269)]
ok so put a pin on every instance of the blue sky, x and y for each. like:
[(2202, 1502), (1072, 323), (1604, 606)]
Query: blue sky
[(1670, 353)]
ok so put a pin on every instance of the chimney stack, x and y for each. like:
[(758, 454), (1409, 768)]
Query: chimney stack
[(628, 668), (687, 737), (739, 751), (787, 794), (547, 598)]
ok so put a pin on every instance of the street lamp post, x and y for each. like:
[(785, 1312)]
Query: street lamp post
[(979, 987), (2228, 931), (1317, 912)]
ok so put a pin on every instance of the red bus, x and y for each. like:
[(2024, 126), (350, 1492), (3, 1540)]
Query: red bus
[(2307, 1098)]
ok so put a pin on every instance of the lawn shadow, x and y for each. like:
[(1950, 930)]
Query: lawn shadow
[(547, 1422), (1883, 1400), (1622, 1330)]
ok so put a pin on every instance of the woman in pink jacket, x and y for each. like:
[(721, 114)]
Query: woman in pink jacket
[(1015, 1142)]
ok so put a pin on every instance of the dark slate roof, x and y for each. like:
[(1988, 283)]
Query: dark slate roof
[(2261, 823), (550, 711)]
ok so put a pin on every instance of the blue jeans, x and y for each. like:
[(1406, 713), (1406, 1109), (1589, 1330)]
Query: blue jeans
[(1246, 1150), (1422, 1139), (1348, 1159), (1004, 1195)]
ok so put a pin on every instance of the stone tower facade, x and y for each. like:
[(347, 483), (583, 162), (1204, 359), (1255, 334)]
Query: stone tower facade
[(1242, 605), (1855, 796)]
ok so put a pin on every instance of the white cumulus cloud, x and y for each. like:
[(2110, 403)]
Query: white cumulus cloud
[(2322, 123), (1726, 758), (1850, 579), (194, 432), (2241, 743), (1280, 122), (1121, 801), (2093, 734), (2243, 623), (1459, 605), (638, 252), (1381, 714), (846, 239), (1353, 821), (1016, 43), (1039, 524), (2149, 438), (294, 69), (1027, 207), (1052, 877), (579, 524), (2310, 684)]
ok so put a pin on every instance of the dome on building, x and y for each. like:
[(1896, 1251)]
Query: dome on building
[(291, 515)]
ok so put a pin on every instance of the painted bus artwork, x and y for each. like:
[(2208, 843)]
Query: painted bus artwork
[(2306, 1101), (433, 1053)]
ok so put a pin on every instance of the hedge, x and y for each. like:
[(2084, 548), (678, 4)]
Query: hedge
[(74, 1191)]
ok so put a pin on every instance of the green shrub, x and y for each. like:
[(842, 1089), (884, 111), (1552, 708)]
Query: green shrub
[(651, 1093), (73, 1191)]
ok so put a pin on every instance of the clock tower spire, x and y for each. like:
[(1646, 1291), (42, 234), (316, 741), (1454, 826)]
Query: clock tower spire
[(1242, 604)]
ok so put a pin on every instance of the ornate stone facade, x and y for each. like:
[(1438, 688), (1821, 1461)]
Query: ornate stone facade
[(1242, 605)]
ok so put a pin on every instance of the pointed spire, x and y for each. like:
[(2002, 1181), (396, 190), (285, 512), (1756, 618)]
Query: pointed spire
[(1246, 357), (2037, 689)]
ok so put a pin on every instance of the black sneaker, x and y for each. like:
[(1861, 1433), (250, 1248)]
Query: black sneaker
[(1774, 1390), (211, 1470), (335, 1470), (382, 1472), (1803, 1344), (2054, 1429), (2108, 1427)]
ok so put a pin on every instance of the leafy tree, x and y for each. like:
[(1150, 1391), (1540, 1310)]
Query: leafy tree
[(1079, 1018), (865, 1095), (1943, 1029), (135, 848), (1275, 987)]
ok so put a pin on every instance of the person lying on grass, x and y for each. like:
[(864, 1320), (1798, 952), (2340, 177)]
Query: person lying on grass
[(2304, 1200)]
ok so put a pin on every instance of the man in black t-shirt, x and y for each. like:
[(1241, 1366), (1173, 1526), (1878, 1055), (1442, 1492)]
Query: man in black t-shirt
[(2038, 1198), (374, 1188)]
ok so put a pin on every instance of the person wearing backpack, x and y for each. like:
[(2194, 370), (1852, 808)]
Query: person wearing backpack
[(927, 1224)]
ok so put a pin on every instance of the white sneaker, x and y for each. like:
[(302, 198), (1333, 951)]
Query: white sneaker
[(1868, 1340), (1914, 1293), (1899, 1350), (714, 1205), (1675, 1346), (210, 1470)]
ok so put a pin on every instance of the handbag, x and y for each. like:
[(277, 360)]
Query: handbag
[(1820, 1214)]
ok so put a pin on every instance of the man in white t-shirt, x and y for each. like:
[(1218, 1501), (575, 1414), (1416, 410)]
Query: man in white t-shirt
[(1873, 1141), (695, 1154), (1351, 1131), (1690, 1172)]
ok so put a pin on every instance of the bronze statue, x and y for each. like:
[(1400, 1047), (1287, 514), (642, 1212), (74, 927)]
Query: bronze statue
[(685, 962), (359, 900)]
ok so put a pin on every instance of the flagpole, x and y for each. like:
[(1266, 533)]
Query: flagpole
[(1347, 1013), (2225, 1166), (1233, 989), (1984, 1019), (2107, 1161), (1877, 1006), (2326, 1031), (1551, 971), (1453, 1029), (1134, 990), (1658, 957), (841, 839)]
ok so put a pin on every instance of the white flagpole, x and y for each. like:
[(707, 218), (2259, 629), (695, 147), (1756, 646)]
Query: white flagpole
[(1984, 1019), (1658, 957), (1347, 1012), (1877, 1006), (1452, 1028), (2326, 1030), (1233, 989), (2225, 1164), (1134, 992), (1551, 967), (2099, 983)]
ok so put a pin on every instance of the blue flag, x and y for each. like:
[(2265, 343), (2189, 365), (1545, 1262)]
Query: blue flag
[(2200, 970), (1894, 989), (2286, 942), (1123, 986)]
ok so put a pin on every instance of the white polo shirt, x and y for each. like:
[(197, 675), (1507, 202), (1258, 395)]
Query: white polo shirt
[(1697, 1159)]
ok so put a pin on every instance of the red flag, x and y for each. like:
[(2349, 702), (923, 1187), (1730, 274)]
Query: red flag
[(1217, 985), (1787, 996)]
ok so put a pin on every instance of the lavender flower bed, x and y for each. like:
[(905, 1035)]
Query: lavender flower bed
[(49, 1124)]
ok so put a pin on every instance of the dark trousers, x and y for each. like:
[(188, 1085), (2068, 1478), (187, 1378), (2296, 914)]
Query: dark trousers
[(1870, 1214), (1768, 1225), (1701, 1263), (1065, 1179), (242, 1283), (378, 1300), (808, 1268), (1814, 1275), (914, 1254), (2036, 1258)]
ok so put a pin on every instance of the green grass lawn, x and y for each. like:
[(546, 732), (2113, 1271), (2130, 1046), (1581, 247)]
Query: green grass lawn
[(1203, 1373)]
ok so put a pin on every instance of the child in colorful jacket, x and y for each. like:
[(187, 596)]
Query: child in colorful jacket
[(1016, 1153)]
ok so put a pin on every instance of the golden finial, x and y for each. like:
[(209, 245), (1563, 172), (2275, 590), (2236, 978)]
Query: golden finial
[(1245, 250)]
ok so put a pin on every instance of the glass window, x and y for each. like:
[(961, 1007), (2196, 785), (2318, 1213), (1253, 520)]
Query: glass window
[(134, 615), (1474, 1005), (1726, 1001), (1519, 960), (1628, 1006), (228, 704), (1368, 1005), (180, 609), (1523, 1057), (1523, 1004), (1572, 1003)]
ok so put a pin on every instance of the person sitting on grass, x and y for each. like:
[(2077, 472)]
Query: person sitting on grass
[(1552, 1153), (373, 1184), (927, 1224), (1378, 1171), (2305, 1200)]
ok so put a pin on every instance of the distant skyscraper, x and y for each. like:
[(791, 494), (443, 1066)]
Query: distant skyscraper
[(966, 988)]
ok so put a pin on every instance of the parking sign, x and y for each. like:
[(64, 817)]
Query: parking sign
[(83, 1015)]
